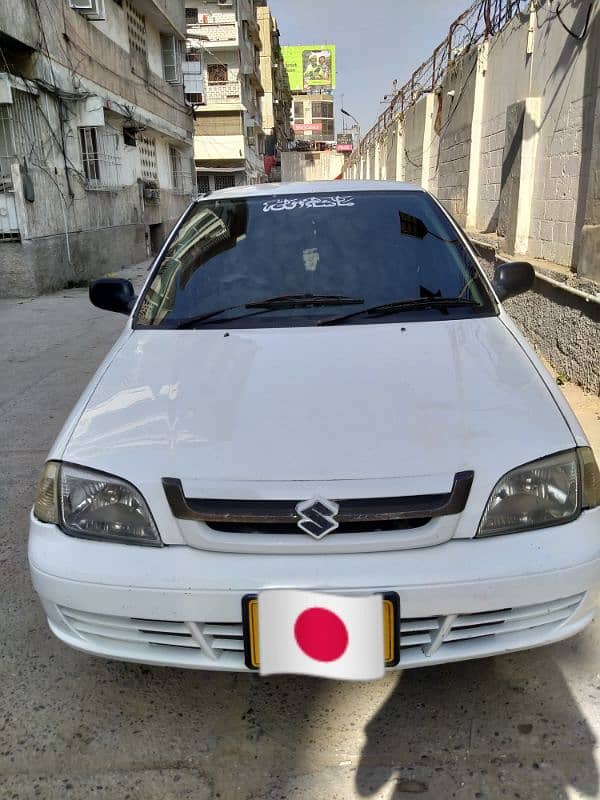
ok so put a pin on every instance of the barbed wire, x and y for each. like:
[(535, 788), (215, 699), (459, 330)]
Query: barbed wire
[(483, 19)]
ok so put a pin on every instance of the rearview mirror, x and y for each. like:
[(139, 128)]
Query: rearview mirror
[(513, 278), (113, 294)]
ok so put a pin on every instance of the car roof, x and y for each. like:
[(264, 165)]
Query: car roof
[(311, 187)]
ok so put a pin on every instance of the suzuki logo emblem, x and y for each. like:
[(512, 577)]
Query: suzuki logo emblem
[(317, 516)]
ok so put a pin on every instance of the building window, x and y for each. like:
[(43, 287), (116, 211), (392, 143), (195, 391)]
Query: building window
[(191, 16), (322, 112), (221, 123), (203, 184), (171, 58), (217, 73), (148, 163), (298, 111), (19, 133), (136, 31), (180, 179), (195, 98), (89, 153), (194, 56), (100, 157), (224, 181)]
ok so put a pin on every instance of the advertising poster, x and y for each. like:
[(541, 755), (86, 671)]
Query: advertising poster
[(310, 66)]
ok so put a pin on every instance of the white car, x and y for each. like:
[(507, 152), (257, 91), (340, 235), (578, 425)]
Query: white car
[(317, 388)]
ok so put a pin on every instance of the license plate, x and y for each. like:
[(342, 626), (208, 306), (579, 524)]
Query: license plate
[(391, 630)]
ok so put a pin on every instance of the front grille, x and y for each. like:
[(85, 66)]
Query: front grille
[(354, 515), (203, 641), (441, 636), (422, 639), (343, 527)]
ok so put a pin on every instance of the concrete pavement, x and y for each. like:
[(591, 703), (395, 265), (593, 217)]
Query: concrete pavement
[(71, 726)]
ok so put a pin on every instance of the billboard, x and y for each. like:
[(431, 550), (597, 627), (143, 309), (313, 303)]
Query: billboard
[(310, 66), (344, 143)]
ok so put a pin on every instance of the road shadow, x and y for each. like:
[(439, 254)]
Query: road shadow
[(497, 727)]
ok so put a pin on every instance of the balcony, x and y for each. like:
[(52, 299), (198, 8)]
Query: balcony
[(216, 35), (227, 92), (166, 15)]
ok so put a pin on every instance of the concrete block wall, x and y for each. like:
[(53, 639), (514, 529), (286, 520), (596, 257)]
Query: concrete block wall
[(457, 94), (490, 176), (545, 172), (311, 166)]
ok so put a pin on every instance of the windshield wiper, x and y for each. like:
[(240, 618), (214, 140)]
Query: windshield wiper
[(276, 303), (301, 300), (396, 306)]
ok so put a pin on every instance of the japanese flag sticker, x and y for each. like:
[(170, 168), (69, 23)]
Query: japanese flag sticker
[(313, 633)]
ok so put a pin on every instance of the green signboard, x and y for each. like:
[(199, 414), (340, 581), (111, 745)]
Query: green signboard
[(310, 66)]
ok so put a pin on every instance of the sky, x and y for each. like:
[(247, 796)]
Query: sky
[(377, 41)]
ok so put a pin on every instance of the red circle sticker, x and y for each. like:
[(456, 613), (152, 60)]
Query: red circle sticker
[(321, 634)]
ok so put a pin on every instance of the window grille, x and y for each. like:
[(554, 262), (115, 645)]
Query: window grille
[(136, 30), (181, 179), (191, 16), (147, 150), (217, 73), (100, 157), (224, 181), (7, 146), (19, 132), (203, 184), (171, 58)]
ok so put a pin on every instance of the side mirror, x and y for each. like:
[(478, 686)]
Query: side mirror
[(513, 278), (113, 294)]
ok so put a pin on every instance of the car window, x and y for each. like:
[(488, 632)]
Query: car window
[(375, 247)]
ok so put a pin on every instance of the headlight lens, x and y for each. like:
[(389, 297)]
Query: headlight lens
[(92, 505), (536, 495)]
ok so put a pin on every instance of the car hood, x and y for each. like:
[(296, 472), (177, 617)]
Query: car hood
[(412, 403)]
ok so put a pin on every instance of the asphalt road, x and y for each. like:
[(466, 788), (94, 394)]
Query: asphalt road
[(71, 726)]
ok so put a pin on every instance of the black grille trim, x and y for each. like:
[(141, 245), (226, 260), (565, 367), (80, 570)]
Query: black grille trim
[(283, 512)]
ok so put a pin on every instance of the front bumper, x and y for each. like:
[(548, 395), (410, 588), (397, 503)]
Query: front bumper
[(178, 606)]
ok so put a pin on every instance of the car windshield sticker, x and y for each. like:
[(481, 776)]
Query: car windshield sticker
[(291, 203), (311, 259)]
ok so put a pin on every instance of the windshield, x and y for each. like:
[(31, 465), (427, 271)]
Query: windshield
[(369, 248)]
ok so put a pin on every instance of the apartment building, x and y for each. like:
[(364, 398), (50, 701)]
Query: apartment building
[(95, 137), (222, 81), (277, 99), (313, 118)]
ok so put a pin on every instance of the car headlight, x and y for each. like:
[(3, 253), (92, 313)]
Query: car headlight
[(550, 491), (93, 505)]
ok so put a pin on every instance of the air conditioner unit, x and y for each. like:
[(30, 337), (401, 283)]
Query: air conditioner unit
[(92, 9), (151, 191)]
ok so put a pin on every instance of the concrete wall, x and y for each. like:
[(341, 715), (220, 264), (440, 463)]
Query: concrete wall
[(539, 175), (414, 129), (457, 93), (311, 166), (562, 326)]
